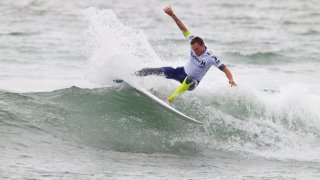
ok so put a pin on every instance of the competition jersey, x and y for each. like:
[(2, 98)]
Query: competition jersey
[(198, 66)]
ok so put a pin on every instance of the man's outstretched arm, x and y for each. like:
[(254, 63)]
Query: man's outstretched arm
[(229, 76), (181, 26)]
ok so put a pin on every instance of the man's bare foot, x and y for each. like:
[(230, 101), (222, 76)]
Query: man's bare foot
[(167, 101)]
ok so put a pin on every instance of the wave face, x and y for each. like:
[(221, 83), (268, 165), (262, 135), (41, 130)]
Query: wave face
[(264, 124)]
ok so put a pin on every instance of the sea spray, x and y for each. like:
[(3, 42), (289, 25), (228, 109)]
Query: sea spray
[(117, 50)]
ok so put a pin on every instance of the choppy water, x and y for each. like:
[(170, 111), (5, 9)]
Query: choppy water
[(61, 117)]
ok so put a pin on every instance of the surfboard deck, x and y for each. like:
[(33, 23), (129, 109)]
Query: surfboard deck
[(161, 103)]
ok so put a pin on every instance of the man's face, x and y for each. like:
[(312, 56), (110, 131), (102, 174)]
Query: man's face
[(197, 49)]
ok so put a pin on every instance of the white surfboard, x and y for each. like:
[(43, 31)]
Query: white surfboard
[(162, 103)]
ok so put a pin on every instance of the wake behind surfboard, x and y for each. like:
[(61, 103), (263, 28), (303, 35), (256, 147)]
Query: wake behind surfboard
[(160, 102)]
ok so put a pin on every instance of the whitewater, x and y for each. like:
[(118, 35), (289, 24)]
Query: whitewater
[(63, 117)]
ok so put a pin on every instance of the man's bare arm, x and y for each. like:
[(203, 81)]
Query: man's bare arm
[(181, 26), (229, 76)]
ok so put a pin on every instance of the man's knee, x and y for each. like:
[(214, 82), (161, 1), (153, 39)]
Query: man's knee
[(193, 85), (189, 80)]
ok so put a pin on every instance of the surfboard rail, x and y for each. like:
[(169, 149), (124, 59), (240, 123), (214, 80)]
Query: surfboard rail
[(161, 102)]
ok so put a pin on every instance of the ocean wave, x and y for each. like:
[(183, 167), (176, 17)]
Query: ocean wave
[(310, 32), (266, 58), (122, 119), (19, 33)]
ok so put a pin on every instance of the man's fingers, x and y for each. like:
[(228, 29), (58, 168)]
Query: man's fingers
[(168, 7), (168, 10), (233, 84)]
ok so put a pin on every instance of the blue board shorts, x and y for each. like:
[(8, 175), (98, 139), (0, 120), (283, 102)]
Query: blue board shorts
[(174, 73), (179, 74)]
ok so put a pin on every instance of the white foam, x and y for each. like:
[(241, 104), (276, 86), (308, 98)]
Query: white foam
[(118, 50), (282, 125)]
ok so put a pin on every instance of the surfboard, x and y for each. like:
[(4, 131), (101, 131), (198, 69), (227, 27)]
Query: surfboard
[(161, 102)]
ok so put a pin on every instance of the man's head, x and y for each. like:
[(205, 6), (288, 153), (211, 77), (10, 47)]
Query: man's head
[(197, 45)]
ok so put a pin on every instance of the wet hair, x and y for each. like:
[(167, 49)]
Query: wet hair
[(198, 40)]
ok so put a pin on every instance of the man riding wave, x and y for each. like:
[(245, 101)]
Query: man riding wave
[(190, 75)]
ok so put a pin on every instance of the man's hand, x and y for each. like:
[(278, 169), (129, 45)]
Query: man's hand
[(169, 11), (233, 83)]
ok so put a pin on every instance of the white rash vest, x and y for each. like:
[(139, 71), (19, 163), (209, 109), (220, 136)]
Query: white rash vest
[(198, 66)]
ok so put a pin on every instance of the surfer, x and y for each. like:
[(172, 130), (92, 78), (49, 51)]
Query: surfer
[(190, 75)]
